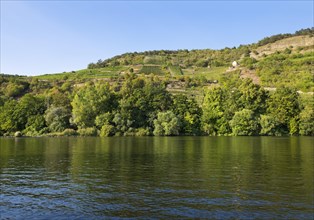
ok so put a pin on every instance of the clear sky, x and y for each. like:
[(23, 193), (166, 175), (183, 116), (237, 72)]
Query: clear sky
[(39, 37)]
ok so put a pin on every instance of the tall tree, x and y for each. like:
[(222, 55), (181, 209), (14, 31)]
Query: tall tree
[(189, 113), (166, 124), (212, 110), (283, 105), (90, 101), (244, 123)]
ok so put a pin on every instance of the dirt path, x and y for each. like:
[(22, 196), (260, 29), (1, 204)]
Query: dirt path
[(245, 73)]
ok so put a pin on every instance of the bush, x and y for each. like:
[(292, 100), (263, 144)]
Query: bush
[(307, 121), (14, 90), (166, 124), (106, 130), (103, 119), (268, 124), (244, 123), (18, 134), (142, 132), (92, 131), (248, 62), (69, 132), (57, 118), (34, 126)]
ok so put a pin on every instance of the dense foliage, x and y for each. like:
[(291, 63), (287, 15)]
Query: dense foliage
[(285, 69), (188, 58), (140, 106)]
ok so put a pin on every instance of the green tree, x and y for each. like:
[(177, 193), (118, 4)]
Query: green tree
[(14, 115), (122, 124), (189, 114), (283, 105), (58, 98), (27, 106), (307, 121), (35, 125), (140, 102), (244, 123), (270, 126), (252, 97), (8, 117), (90, 101), (107, 130), (16, 88), (212, 110), (103, 119), (104, 122), (294, 126), (57, 119), (166, 124)]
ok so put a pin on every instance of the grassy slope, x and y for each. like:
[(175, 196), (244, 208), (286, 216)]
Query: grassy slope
[(294, 43)]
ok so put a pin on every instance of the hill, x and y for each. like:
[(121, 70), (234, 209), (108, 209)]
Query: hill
[(264, 88), (289, 55)]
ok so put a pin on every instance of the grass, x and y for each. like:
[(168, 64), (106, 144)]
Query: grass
[(213, 73)]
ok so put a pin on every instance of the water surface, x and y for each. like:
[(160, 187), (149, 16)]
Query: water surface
[(157, 177)]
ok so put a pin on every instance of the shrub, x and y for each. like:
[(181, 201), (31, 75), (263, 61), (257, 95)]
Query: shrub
[(91, 131), (307, 121), (69, 132), (103, 119), (18, 134), (57, 118), (166, 124), (244, 123), (106, 130), (142, 132), (34, 126)]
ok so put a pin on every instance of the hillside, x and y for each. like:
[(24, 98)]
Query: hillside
[(292, 55), (296, 44), (264, 88)]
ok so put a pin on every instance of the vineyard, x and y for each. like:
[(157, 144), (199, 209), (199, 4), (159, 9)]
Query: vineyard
[(152, 69), (175, 70)]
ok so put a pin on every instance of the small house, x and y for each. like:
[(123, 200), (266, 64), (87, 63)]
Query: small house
[(234, 64)]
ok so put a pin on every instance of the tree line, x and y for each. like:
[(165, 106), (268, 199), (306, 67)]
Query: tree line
[(142, 106)]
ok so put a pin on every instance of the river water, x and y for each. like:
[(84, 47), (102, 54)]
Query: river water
[(157, 177)]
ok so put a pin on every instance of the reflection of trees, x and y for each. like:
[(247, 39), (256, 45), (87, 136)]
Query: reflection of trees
[(237, 168), (20, 153), (57, 155)]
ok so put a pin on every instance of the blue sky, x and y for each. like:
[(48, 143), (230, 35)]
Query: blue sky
[(39, 37)]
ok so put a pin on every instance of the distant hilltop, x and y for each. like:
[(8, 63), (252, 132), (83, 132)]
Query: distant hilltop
[(300, 40)]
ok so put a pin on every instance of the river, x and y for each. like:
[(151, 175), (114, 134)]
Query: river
[(157, 177)]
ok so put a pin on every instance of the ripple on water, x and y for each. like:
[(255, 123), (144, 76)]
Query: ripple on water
[(164, 179)]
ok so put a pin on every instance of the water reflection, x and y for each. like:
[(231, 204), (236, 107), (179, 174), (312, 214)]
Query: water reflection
[(163, 177)]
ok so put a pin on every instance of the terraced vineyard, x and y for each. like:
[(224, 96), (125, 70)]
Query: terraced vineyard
[(106, 72), (175, 70), (280, 60), (157, 70)]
